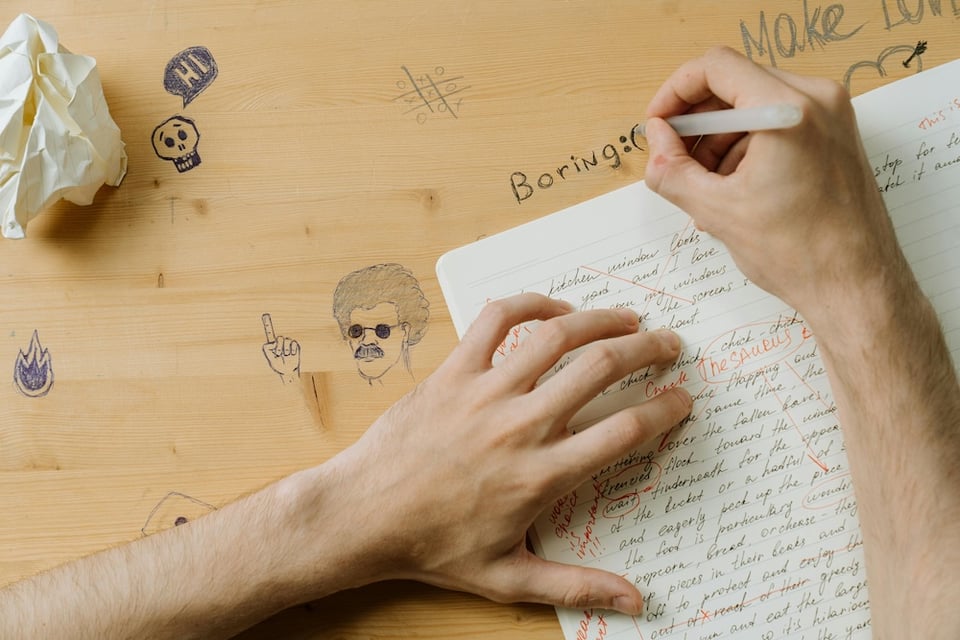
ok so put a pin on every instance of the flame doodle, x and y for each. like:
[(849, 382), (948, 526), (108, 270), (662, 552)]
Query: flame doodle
[(33, 370)]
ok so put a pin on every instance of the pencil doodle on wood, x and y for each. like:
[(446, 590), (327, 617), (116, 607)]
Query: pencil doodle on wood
[(525, 183), (879, 65), (190, 72), (282, 354), (173, 510), (428, 95), (176, 139), (788, 36), (33, 370), (382, 313)]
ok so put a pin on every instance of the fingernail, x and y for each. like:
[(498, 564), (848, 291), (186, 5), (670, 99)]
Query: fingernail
[(669, 338), (629, 316), (685, 397), (628, 605), (566, 305), (653, 136)]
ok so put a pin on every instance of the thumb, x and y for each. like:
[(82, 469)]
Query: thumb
[(674, 174), (572, 587)]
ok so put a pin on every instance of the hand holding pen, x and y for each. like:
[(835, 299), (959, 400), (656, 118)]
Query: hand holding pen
[(767, 117)]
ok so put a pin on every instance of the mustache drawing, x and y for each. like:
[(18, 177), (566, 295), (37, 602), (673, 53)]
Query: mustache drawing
[(368, 352)]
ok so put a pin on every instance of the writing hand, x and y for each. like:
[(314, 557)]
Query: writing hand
[(450, 478), (801, 213), (799, 209)]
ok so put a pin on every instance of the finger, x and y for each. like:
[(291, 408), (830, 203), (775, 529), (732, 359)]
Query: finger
[(497, 318), (808, 85), (820, 93), (534, 579), (675, 175), (721, 72), (294, 347), (705, 147), (559, 336), (731, 160), (602, 364), (608, 440), (713, 150), (268, 327), (709, 150), (270, 355)]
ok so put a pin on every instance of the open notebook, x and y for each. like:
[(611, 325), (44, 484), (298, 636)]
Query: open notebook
[(741, 522)]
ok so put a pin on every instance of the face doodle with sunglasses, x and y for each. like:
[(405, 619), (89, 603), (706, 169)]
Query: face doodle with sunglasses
[(382, 312)]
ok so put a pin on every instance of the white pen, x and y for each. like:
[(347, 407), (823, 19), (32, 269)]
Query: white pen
[(772, 116)]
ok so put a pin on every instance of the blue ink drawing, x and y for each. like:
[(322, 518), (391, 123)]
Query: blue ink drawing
[(33, 370), (175, 139), (190, 72)]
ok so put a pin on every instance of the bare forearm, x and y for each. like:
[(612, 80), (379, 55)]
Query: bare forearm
[(899, 404), (438, 489), (210, 578)]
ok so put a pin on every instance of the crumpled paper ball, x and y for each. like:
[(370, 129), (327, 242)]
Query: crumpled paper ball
[(57, 139)]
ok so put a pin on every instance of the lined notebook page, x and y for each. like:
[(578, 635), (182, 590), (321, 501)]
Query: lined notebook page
[(740, 522)]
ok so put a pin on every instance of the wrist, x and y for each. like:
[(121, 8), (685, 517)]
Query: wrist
[(885, 323), (328, 533), (869, 310)]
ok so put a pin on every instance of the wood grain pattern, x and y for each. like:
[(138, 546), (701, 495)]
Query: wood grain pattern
[(313, 166)]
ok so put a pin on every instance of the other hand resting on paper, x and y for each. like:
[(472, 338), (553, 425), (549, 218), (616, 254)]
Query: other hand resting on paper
[(801, 213), (442, 489)]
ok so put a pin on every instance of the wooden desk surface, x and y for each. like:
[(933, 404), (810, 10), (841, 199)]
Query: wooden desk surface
[(335, 137)]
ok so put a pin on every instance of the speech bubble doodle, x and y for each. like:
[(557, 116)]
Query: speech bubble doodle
[(190, 72)]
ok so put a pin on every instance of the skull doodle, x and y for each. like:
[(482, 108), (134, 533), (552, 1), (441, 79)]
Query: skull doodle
[(176, 139)]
